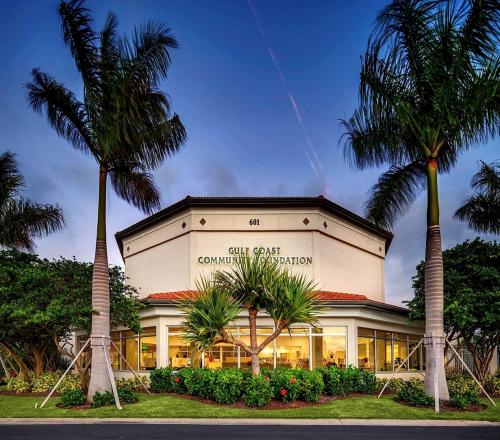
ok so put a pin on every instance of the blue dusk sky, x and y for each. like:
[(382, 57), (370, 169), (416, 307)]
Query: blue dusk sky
[(244, 135)]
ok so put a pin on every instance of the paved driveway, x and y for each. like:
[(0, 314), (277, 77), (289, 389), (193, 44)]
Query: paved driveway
[(244, 432)]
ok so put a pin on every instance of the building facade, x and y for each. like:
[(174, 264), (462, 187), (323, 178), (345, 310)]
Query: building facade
[(166, 253)]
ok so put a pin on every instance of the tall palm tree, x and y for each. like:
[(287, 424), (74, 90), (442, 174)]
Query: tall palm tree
[(21, 220), (123, 122), (254, 285), (429, 90), (482, 210)]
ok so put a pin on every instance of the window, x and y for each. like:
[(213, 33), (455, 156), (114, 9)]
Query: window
[(138, 350), (181, 354), (147, 341), (329, 346), (292, 349), (266, 356), (386, 351)]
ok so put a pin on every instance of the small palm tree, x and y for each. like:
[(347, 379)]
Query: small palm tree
[(21, 220), (256, 285), (482, 210), (429, 90), (123, 122)]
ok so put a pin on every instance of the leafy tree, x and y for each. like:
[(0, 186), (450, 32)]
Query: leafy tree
[(471, 299), (21, 220), (254, 285), (482, 210), (123, 122), (429, 90), (42, 301)]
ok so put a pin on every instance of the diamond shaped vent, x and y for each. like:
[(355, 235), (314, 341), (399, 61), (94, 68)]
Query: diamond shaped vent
[(306, 221), (203, 221)]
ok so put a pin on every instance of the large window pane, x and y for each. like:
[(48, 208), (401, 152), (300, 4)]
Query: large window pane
[(181, 354), (329, 350), (148, 352), (415, 358), (266, 356), (221, 356), (384, 354), (292, 352), (366, 353), (400, 352), (130, 351), (113, 353)]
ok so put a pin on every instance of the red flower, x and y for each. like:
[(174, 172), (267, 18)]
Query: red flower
[(283, 392), (266, 378), (292, 380), (177, 379)]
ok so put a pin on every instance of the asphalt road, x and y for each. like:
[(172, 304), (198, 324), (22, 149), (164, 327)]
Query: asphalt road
[(243, 432)]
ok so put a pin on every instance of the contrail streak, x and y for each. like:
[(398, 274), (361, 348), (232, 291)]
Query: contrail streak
[(310, 152)]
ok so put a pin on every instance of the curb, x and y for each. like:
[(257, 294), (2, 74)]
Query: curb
[(190, 421)]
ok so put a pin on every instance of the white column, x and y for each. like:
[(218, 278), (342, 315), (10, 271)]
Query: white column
[(162, 342), (352, 344)]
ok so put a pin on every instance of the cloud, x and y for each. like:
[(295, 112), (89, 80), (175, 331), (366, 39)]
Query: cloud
[(218, 180)]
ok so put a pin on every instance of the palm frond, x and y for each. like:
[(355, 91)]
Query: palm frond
[(11, 180), (136, 186), (64, 112), (394, 192), (76, 27), (21, 220), (208, 314), (292, 301), (482, 210)]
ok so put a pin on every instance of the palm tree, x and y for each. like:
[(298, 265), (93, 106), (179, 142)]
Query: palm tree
[(21, 220), (482, 210), (123, 122), (256, 285), (429, 90)]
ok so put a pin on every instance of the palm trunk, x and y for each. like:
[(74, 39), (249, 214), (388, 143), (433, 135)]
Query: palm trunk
[(99, 376), (254, 357), (434, 292)]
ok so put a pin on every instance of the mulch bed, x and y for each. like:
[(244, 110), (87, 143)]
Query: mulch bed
[(28, 394)]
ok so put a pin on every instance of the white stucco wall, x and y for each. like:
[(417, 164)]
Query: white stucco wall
[(338, 256)]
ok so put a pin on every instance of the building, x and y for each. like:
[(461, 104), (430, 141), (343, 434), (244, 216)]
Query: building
[(343, 253)]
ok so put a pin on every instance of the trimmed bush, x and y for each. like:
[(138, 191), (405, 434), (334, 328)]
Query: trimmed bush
[(70, 382), (73, 398), (126, 395), (227, 386), (19, 384), (492, 385), (343, 381), (200, 382), (464, 391), (394, 386), (412, 392), (311, 385), (133, 383), (162, 380), (180, 378), (258, 391), (102, 399), (45, 382), (286, 384)]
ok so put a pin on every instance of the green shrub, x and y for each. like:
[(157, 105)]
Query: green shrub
[(257, 390), (342, 381), (311, 385), (227, 386), (70, 382), (492, 384), (133, 383), (162, 380), (463, 390), (394, 386), (286, 384), (180, 378), (45, 382), (126, 395), (72, 398), (19, 384), (200, 382), (412, 392), (102, 399)]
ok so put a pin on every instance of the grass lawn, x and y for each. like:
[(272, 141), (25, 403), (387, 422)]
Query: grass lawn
[(366, 407)]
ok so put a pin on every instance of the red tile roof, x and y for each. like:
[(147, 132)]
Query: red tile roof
[(322, 295)]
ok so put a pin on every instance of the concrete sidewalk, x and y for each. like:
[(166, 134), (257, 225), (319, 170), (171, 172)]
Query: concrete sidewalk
[(299, 422)]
